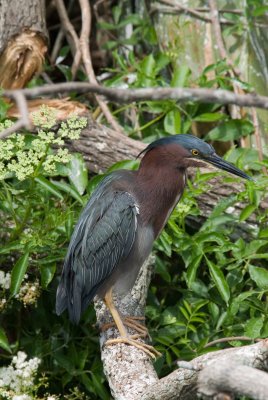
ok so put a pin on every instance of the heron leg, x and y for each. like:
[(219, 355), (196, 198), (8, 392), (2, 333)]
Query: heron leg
[(125, 338)]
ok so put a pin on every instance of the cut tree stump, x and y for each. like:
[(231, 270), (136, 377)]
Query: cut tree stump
[(23, 41)]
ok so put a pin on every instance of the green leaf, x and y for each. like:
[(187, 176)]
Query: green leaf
[(17, 273), (236, 302), (219, 280), (47, 274), (262, 234), (180, 76), (77, 173), (231, 130), (50, 187), (164, 242), (253, 327), (209, 117), (172, 122), (6, 249), (4, 106), (246, 212), (100, 388), (161, 268), (4, 341), (192, 269), (65, 187), (147, 71), (125, 164), (94, 182), (204, 237), (259, 276), (260, 11)]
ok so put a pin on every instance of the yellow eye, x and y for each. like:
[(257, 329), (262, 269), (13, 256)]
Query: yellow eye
[(195, 152)]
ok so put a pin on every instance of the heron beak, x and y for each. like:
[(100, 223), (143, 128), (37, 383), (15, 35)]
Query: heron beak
[(218, 162)]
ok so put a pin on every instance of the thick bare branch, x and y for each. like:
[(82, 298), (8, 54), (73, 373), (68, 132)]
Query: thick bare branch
[(156, 93)]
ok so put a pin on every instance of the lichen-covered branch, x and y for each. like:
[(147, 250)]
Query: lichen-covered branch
[(231, 376)]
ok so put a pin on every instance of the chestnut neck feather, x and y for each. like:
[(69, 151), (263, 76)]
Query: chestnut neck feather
[(160, 183)]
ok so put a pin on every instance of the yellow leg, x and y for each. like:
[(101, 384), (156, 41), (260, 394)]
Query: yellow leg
[(130, 322), (125, 338), (115, 314)]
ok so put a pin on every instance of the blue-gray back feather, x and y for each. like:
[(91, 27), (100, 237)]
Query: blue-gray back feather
[(102, 238)]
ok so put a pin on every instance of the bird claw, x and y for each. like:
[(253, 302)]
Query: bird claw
[(132, 323), (132, 341)]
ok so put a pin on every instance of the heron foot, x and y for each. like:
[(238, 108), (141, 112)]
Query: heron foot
[(132, 323), (132, 341)]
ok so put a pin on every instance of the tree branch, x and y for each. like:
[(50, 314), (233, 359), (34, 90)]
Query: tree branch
[(129, 95), (156, 93), (229, 376)]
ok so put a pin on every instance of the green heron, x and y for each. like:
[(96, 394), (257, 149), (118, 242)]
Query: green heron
[(125, 214)]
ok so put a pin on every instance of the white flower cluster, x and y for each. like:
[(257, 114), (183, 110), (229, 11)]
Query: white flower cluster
[(5, 280), (17, 380), (23, 157), (29, 293)]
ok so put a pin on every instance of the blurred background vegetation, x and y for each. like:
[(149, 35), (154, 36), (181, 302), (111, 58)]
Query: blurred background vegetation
[(211, 279)]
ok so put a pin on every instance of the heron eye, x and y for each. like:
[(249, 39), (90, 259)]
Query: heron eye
[(195, 152)]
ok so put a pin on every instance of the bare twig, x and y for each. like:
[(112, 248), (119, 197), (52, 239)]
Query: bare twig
[(24, 121), (223, 11), (230, 339), (86, 57), (70, 34), (214, 14), (175, 7), (186, 10), (57, 46), (131, 95)]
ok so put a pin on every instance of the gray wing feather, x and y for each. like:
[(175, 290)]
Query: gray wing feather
[(103, 237)]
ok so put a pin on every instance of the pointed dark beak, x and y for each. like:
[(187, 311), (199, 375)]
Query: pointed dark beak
[(214, 159)]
